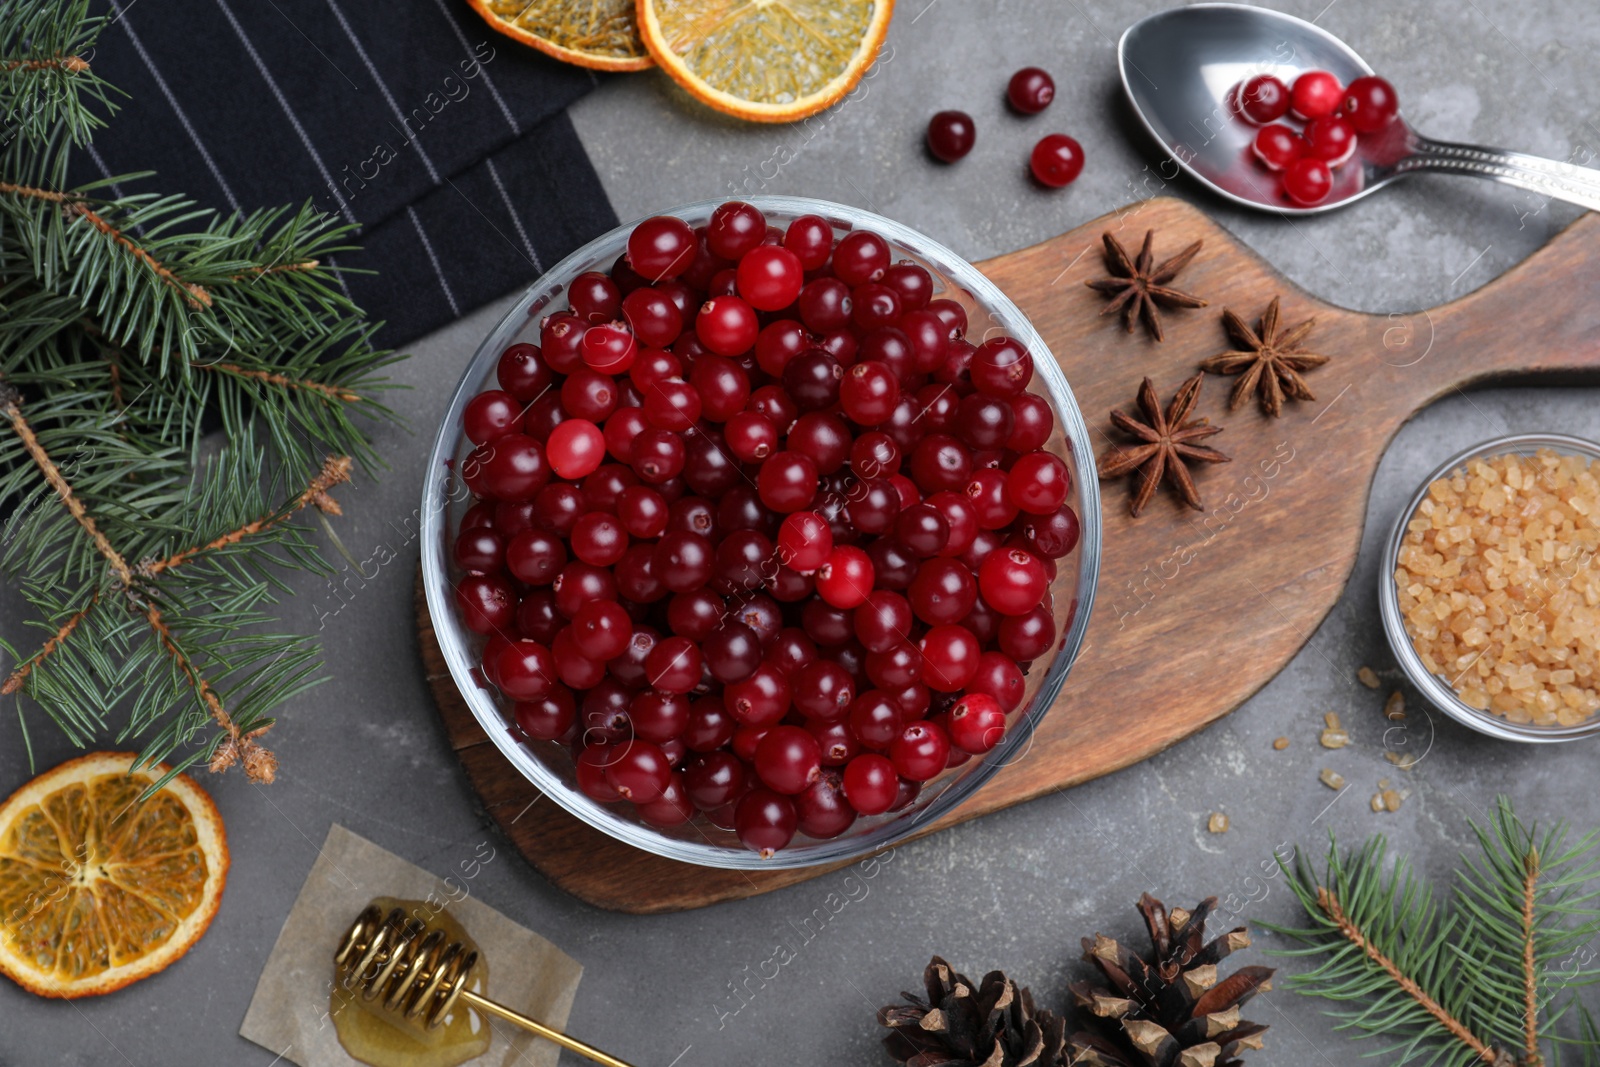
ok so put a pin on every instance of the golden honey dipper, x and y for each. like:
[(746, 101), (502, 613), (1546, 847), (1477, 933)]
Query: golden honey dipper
[(420, 976)]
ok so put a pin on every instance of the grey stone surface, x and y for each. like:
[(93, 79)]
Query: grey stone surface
[(1015, 889)]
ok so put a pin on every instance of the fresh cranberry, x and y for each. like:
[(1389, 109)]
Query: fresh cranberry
[(576, 448), (861, 256), (951, 135), (921, 751), (1331, 139), (788, 759), (490, 414), (548, 718), (1307, 181), (594, 297), (1057, 160), (871, 783), (845, 577), (787, 482), (487, 603), (1316, 94), (1013, 581), (1039, 482), (638, 770), (822, 810), (661, 247), (735, 229), (869, 392), (655, 319), (1030, 90), (1370, 103), (976, 723), (1263, 99), (765, 821), (1277, 146), (810, 238), (804, 541), (522, 372), (727, 325), (1001, 679), (950, 657), (714, 779), (770, 277)]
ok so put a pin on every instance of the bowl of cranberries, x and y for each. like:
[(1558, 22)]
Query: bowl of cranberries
[(761, 534)]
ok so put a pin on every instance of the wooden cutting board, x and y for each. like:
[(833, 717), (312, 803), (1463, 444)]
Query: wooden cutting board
[(1196, 610)]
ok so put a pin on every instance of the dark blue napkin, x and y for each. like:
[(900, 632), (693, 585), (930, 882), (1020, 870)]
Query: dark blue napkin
[(446, 142)]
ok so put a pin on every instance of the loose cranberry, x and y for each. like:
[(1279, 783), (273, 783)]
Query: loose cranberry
[(812, 380), (940, 463), (487, 603), (549, 717), (1316, 94), (710, 726), (1030, 90), (950, 657), (735, 229), (522, 372), (770, 277), (823, 690), (921, 751), (845, 577), (601, 630), (655, 319), (1001, 367), (761, 699), (1039, 482), (1013, 581), (943, 592), (661, 247), (1028, 636), (490, 414), (1331, 139), (822, 810), (731, 652), (727, 325), (779, 342), (976, 723), (951, 135), (810, 238), (825, 304), (535, 557), (659, 717), (883, 620), (525, 669), (638, 771), (609, 348), (1307, 181), (714, 779), (576, 448), (1057, 160), (1263, 99), (788, 759), (823, 437), (1277, 146), (674, 665), (1001, 679), (765, 821), (723, 385), (480, 549), (561, 341), (804, 541), (787, 482), (511, 467), (871, 783), (861, 256), (869, 392), (594, 297), (1370, 103), (588, 394)]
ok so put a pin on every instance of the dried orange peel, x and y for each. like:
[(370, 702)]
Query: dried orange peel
[(765, 60), (98, 888), (599, 34)]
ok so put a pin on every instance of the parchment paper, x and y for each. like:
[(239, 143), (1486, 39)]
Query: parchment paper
[(289, 1012)]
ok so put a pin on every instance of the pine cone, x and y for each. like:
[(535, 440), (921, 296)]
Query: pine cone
[(992, 1024), (1171, 1010)]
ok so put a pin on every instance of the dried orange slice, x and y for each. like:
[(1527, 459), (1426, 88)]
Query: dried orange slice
[(97, 888), (600, 34), (765, 60)]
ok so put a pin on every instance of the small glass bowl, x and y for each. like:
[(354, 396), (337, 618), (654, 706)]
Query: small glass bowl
[(1436, 688), (550, 768)]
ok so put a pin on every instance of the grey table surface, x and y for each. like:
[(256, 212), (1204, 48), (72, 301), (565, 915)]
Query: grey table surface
[(1013, 890)]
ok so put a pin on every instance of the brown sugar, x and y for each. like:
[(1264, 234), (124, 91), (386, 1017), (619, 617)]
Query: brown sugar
[(1500, 589)]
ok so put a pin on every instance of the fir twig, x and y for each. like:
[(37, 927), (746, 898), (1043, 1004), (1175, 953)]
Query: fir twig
[(11, 408), (15, 679), (1530, 971)]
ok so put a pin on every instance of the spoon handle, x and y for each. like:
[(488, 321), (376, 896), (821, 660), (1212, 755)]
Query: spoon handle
[(1548, 177)]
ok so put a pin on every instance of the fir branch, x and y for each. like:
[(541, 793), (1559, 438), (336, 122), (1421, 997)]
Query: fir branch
[(1334, 910), (1530, 973), (14, 681), (70, 64), (335, 471), (270, 378), (11, 409), (196, 295)]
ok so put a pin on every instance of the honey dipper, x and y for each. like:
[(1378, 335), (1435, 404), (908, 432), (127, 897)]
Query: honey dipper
[(420, 976)]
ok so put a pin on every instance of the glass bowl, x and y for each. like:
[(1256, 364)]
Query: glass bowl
[(1435, 687), (550, 768)]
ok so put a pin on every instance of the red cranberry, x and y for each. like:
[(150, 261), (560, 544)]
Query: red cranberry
[(951, 135), (655, 319), (871, 783), (1331, 139), (594, 297), (1057, 160), (861, 256), (489, 415), (1277, 146), (943, 591), (976, 723), (1039, 482), (486, 602), (778, 343), (1316, 94), (921, 751), (810, 238), (661, 247), (950, 657), (576, 448), (869, 392), (1030, 90), (765, 821), (1370, 103), (549, 717), (823, 690), (714, 779), (523, 373), (1001, 679), (787, 482), (1307, 181), (1028, 636), (1013, 581), (672, 807), (770, 277), (638, 771), (735, 229), (1263, 99), (788, 759), (727, 325), (845, 579), (822, 810)]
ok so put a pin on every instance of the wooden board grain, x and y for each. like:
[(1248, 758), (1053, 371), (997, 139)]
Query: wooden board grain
[(1209, 605)]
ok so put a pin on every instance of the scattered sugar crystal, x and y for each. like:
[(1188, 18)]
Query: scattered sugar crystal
[(1368, 677), (1331, 778), (1218, 823)]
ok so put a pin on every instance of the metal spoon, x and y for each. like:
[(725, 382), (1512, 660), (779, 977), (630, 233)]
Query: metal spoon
[(1179, 68)]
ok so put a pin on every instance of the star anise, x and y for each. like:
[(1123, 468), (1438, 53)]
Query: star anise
[(1165, 442), (1271, 363), (1140, 290)]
